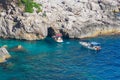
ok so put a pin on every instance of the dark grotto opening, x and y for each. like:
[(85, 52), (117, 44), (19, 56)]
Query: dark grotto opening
[(65, 35), (51, 32)]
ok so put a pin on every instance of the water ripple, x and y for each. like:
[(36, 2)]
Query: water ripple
[(47, 60)]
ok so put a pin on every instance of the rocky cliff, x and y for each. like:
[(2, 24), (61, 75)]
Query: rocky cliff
[(73, 18)]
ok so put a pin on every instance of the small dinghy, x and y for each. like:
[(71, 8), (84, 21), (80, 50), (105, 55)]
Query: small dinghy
[(58, 37), (91, 45)]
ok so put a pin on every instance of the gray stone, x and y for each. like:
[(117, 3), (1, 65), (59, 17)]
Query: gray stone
[(4, 54), (78, 19)]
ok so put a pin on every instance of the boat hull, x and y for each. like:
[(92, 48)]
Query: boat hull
[(59, 41), (87, 45)]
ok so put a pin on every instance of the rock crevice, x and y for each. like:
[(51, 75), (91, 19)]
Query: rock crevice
[(73, 18)]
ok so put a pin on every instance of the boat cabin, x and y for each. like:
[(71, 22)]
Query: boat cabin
[(95, 45)]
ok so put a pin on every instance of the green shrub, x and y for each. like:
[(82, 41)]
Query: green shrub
[(29, 4), (19, 3)]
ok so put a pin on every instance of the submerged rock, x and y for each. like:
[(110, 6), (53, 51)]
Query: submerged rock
[(5, 46), (73, 18), (2, 59), (18, 48), (4, 55)]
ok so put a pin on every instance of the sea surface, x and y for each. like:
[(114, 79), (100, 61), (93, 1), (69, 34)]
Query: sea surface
[(49, 60)]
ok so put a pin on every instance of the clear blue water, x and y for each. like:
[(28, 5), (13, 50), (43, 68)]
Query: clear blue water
[(48, 60)]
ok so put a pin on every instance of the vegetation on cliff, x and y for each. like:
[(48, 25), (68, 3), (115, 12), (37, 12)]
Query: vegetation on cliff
[(86, 18), (29, 5)]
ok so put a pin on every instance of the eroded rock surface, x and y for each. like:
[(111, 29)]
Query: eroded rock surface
[(73, 18)]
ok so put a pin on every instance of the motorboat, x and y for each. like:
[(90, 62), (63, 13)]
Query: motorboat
[(58, 37), (91, 45)]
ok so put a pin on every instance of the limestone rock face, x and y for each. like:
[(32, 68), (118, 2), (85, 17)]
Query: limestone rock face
[(73, 18), (14, 23), (82, 18), (20, 27)]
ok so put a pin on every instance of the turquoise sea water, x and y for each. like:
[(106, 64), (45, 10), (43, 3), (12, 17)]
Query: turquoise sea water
[(48, 60)]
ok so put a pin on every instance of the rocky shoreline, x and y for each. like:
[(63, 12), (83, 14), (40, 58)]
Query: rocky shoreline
[(72, 18)]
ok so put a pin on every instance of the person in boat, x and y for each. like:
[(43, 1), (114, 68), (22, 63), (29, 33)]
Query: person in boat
[(58, 37), (96, 46)]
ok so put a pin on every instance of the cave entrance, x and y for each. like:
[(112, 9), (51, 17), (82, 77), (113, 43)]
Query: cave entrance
[(51, 32), (65, 34)]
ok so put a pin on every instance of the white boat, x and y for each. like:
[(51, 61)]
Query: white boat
[(59, 39), (91, 45)]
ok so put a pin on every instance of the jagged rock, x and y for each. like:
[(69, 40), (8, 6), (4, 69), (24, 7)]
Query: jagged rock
[(4, 55), (76, 18)]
